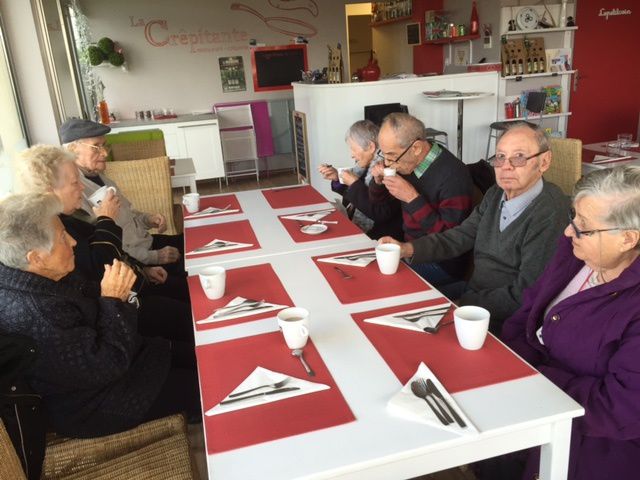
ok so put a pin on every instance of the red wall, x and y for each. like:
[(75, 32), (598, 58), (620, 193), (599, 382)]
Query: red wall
[(426, 58)]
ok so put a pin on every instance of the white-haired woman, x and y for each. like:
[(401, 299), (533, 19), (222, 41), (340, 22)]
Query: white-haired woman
[(579, 324), (50, 169), (362, 139), (95, 374)]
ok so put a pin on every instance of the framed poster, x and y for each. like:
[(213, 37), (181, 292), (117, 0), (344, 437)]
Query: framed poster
[(413, 34), (300, 146), (232, 74)]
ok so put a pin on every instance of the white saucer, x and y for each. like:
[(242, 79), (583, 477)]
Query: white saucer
[(314, 228)]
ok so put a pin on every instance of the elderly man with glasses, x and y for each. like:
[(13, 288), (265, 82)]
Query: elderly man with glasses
[(87, 140), (512, 233), (433, 186)]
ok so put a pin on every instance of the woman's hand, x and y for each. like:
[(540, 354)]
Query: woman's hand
[(168, 254), (156, 275), (328, 172), (348, 177), (117, 280), (406, 249), (378, 172), (109, 207)]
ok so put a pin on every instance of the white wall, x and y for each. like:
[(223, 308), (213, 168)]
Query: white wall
[(185, 75)]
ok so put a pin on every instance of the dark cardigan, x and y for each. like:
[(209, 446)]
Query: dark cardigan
[(95, 374)]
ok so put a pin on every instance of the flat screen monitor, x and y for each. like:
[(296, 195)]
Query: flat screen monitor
[(376, 113), (274, 68)]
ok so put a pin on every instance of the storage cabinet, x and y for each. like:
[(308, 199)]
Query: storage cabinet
[(512, 85), (197, 138)]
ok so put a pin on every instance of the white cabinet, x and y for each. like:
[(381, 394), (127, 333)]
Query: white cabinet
[(559, 37), (202, 144), (197, 137)]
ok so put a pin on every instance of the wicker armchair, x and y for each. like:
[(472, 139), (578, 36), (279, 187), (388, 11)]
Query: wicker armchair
[(147, 185), (566, 163), (154, 450), (137, 150)]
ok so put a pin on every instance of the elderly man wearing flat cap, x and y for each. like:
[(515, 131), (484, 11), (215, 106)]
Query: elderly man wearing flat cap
[(87, 140)]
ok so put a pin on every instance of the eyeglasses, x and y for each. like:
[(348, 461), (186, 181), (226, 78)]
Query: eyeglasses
[(517, 160), (98, 148), (586, 233), (397, 160)]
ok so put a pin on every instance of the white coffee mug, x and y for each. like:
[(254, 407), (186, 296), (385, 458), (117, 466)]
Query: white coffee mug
[(389, 172), (472, 325), (388, 257), (294, 323), (191, 202), (213, 280), (97, 196), (340, 170)]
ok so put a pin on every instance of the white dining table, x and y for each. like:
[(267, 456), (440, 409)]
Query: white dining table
[(603, 148), (510, 416)]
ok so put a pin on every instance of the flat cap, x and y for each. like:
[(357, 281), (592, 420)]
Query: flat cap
[(78, 128)]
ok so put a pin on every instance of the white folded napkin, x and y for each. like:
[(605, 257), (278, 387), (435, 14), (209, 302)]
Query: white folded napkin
[(211, 211), (309, 216), (410, 407), (217, 245), (228, 312), (391, 319), (363, 259), (262, 376)]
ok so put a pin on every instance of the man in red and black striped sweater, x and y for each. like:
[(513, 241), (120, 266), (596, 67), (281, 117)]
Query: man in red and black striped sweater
[(433, 186)]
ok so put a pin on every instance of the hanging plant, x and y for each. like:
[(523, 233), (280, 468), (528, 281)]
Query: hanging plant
[(106, 50)]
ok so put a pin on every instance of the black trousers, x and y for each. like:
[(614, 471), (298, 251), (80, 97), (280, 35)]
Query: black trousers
[(165, 317), (180, 392), (177, 241)]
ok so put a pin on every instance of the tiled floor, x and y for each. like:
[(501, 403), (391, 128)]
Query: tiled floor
[(248, 183)]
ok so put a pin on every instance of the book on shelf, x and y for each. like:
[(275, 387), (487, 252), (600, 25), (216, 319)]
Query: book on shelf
[(558, 59)]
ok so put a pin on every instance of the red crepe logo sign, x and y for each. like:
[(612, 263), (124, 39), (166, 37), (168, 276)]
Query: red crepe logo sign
[(285, 25), (157, 33)]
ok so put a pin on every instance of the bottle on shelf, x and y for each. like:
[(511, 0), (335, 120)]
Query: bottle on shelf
[(474, 24), (520, 67), (103, 109)]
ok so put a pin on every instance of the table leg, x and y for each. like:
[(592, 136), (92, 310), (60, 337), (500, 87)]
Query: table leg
[(192, 184), (554, 456), (460, 124)]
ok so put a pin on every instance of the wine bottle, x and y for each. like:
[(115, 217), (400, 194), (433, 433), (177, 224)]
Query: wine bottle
[(474, 23)]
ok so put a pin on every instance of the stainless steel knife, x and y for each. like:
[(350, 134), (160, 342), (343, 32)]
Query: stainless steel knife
[(270, 392)]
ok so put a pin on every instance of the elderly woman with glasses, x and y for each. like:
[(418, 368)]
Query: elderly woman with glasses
[(512, 233), (353, 184), (95, 374), (579, 324), (50, 169)]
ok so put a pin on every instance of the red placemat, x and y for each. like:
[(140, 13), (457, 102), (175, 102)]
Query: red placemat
[(293, 196), (220, 201), (257, 282), (367, 283), (223, 366), (343, 228), (241, 231), (458, 369)]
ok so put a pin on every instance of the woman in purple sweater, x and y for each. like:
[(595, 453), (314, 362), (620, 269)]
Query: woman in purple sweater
[(579, 325)]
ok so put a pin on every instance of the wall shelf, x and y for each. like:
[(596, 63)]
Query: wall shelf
[(389, 22), (535, 117), (443, 41), (518, 78), (538, 31)]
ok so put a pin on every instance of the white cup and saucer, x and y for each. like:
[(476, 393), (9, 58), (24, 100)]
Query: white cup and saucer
[(294, 323), (191, 202)]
